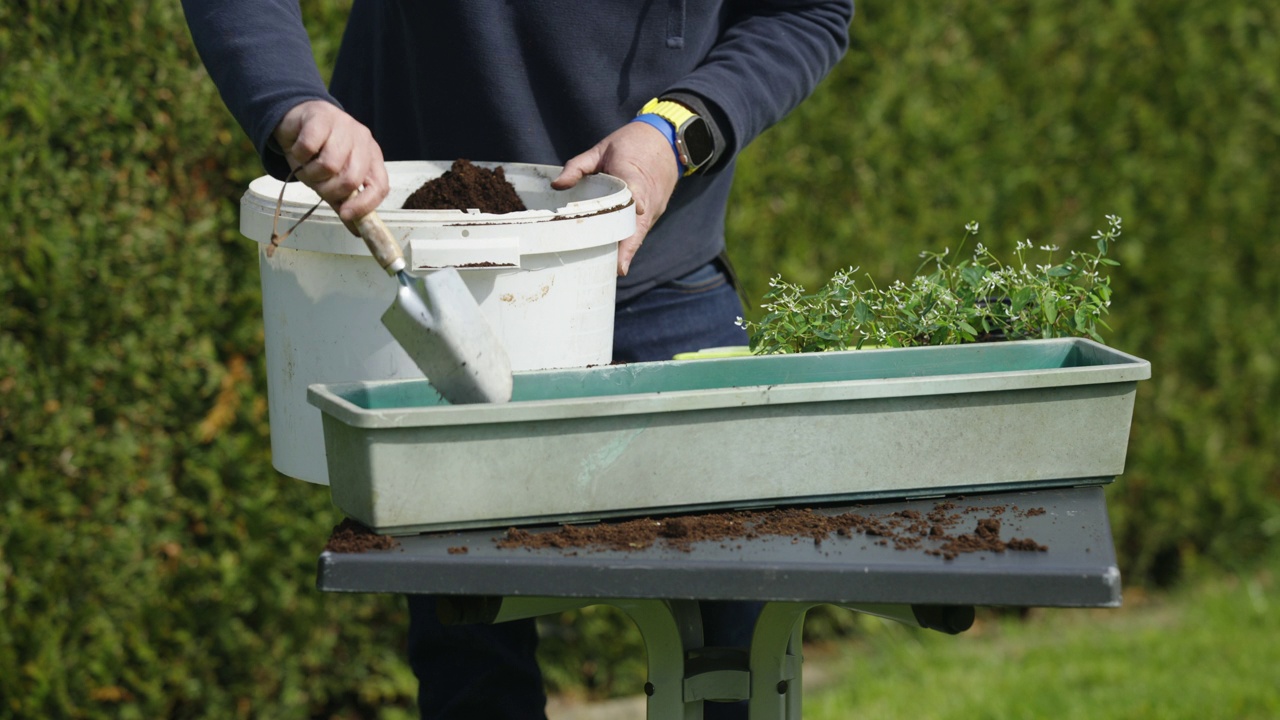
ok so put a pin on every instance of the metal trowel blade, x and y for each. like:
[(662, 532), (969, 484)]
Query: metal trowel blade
[(438, 323)]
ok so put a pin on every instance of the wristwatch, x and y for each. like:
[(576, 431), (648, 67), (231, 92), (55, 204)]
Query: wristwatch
[(694, 145)]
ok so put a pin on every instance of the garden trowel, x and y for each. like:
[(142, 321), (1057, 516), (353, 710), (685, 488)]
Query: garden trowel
[(438, 323)]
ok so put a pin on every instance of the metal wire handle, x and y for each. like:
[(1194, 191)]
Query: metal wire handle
[(276, 239)]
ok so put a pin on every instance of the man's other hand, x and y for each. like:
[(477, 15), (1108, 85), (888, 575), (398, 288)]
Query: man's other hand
[(642, 157)]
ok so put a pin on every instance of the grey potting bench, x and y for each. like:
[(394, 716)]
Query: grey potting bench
[(660, 588)]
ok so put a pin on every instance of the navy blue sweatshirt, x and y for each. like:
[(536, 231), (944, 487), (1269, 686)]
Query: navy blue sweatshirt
[(534, 81)]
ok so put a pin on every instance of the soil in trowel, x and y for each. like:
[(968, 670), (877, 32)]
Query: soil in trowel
[(466, 186)]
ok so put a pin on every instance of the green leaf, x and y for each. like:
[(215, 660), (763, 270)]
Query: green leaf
[(973, 275), (1050, 311), (862, 312), (1082, 318), (1021, 297)]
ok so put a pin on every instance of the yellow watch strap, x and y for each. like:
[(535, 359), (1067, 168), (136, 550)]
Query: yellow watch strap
[(673, 112)]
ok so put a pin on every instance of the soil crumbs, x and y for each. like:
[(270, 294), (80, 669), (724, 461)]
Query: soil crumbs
[(350, 536), (465, 186), (937, 532)]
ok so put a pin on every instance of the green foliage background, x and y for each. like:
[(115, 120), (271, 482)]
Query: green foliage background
[(152, 564)]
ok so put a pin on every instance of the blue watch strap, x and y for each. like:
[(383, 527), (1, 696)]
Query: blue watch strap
[(664, 126)]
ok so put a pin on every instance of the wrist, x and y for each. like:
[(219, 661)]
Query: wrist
[(668, 131), (691, 135)]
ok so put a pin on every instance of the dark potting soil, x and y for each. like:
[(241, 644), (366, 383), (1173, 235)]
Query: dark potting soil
[(465, 186), (350, 536), (943, 532)]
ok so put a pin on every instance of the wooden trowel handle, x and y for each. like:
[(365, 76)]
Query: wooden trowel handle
[(377, 236)]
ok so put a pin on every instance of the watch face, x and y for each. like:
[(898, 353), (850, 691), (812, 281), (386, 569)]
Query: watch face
[(698, 142)]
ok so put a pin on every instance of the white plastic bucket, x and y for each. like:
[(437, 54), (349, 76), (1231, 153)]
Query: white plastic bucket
[(545, 279)]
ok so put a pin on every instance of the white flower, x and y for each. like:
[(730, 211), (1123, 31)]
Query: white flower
[(972, 227)]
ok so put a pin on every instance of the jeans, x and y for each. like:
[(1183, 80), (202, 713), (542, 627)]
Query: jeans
[(489, 672)]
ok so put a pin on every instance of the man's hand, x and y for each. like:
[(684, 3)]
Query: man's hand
[(642, 157), (335, 155)]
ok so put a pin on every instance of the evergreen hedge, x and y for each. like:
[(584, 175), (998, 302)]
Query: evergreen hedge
[(152, 564)]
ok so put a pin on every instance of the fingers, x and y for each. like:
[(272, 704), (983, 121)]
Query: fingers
[(628, 248), (642, 157), (335, 155), (578, 167)]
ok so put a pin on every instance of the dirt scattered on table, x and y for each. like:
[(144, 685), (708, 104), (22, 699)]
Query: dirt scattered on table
[(465, 186), (350, 536), (945, 531)]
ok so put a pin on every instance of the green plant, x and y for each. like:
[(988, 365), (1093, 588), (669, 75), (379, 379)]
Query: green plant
[(977, 299)]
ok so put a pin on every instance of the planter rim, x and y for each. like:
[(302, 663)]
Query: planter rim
[(792, 379)]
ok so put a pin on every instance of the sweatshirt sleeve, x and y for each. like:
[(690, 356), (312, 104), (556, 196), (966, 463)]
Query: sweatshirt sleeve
[(259, 56), (770, 57)]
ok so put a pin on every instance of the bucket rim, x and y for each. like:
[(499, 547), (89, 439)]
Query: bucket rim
[(603, 194)]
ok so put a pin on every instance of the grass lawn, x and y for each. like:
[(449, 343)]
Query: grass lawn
[(1208, 650)]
